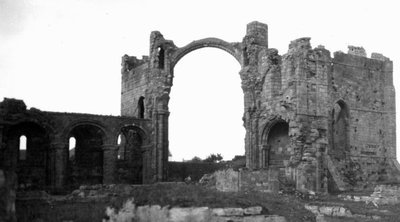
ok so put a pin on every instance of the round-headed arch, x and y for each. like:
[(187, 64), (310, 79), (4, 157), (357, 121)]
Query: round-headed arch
[(231, 48), (142, 133), (343, 106), (269, 125), (84, 123)]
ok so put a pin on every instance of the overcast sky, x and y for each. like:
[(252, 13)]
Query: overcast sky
[(66, 55)]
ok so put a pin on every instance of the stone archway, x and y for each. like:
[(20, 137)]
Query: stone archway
[(130, 161), (152, 78), (198, 96), (276, 151), (32, 163), (207, 42), (85, 165)]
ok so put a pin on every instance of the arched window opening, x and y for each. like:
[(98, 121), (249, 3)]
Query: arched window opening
[(339, 128), (160, 56), (119, 139), (71, 148), (141, 107), (121, 147), (22, 147)]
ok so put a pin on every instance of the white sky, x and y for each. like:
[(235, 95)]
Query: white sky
[(65, 55)]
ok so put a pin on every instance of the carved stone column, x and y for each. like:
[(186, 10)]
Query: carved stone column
[(162, 145), (58, 161), (110, 153), (264, 155)]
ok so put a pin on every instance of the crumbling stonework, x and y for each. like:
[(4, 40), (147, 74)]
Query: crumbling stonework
[(313, 122), (47, 163), (321, 123), (156, 213), (229, 180)]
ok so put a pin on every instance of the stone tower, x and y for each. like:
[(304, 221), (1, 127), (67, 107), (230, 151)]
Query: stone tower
[(317, 122)]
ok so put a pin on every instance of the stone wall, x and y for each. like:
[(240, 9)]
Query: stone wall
[(315, 95), (365, 88), (8, 185), (229, 180), (47, 162), (382, 195)]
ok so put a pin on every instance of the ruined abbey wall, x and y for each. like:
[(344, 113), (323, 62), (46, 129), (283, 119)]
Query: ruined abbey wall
[(314, 121), (365, 86), (319, 122)]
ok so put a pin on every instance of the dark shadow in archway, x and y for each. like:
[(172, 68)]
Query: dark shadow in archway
[(85, 166), (340, 130), (32, 161), (276, 152), (130, 156)]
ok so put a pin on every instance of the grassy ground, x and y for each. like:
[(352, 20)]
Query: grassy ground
[(94, 199), (289, 206)]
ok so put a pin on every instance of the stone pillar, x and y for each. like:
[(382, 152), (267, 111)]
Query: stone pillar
[(147, 172), (8, 184), (1, 138), (306, 171), (110, 153), (162, 145), (264, 155), (59, 157)]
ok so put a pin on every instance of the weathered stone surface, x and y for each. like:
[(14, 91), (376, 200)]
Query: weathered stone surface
[(335, 213), (305, 112), (195, 214), (252, 210), (358, 51), (129, 212), (48, 163), (7, 196), (314, 122), (383, 194), (227, 180), (227, 211)]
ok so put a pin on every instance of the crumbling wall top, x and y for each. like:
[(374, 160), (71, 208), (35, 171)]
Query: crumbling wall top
[(9, 105), (379, 56), (357, 50), (300, 44), (259, 33)]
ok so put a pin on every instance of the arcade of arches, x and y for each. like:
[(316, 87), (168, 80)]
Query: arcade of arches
[(59, 152)]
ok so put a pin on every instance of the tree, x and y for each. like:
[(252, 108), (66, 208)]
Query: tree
[(196, 159), (213, 158)]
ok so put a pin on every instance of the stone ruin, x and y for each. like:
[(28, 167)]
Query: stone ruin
[(314, 122)]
